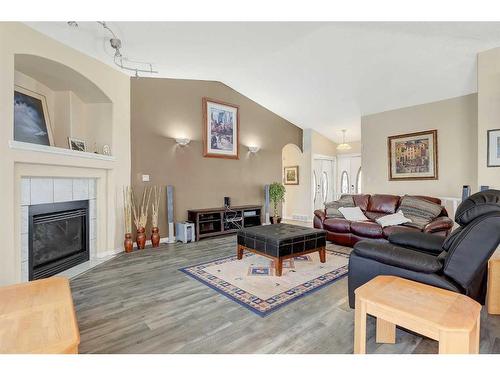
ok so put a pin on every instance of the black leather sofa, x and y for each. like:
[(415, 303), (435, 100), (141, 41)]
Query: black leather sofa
[(457, 262)]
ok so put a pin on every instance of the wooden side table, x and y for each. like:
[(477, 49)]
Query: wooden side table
[(448, 317), (38, 317), (493, 296)]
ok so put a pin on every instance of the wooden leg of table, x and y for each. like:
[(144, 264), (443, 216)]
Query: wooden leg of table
[(454, 343), (474, 337), (322, 255), (386, 332), (360, 327), (239, 252), (278, 266)]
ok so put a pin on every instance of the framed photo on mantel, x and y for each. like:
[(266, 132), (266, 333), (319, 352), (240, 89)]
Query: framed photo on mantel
[(221, 126), (413, 156)]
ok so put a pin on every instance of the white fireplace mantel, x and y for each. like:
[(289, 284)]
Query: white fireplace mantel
[(16, 145)]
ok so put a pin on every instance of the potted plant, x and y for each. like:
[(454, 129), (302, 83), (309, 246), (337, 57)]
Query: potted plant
[(277, 195)]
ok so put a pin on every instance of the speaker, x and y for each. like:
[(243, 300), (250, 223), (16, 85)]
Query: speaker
[(484, 187), (266, 204), (227, 202), (170, 214), (465, 192)]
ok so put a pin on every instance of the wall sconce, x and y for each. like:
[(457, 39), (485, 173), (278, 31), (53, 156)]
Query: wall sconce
[(253, 149), (182, 141)]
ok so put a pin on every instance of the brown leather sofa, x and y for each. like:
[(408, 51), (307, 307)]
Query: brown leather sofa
[(347, 233)]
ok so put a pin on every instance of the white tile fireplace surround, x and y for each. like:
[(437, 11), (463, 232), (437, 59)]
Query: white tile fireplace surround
[(40, 190)]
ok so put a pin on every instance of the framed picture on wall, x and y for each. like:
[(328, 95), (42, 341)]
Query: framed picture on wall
[(413, 156), (77, 144), (494, 148), (31, 117), (221, 122), (291, 175)]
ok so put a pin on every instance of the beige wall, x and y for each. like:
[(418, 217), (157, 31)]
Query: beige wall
[(488, 113), (162, 109), (13, 162), (456, 122)]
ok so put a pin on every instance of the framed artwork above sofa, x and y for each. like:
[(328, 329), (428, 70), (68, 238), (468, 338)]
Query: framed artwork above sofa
[(413, 156)]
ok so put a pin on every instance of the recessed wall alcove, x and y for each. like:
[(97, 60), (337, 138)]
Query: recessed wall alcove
[(77, 107)]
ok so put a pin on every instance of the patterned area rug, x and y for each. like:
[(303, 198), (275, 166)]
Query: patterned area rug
[(251, 281)]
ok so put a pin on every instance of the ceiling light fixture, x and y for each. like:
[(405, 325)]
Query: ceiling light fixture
[(121, 61), (344, 146), (253, 149)]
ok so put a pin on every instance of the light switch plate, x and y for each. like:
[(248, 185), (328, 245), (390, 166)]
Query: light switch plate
[(145, 178)]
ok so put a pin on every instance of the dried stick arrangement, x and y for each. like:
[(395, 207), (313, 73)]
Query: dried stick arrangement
[(155, 205), (141, 216), (127, 208)]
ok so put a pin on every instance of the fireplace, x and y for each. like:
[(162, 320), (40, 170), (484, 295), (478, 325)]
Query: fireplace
[(58, 237)]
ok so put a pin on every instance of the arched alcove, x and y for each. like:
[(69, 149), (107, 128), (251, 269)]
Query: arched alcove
[(296, 196), (76, 107)]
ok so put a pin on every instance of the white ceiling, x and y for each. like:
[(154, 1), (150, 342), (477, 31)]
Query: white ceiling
[(317, 75)]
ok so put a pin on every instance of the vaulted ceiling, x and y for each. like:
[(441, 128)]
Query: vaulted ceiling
[(323, 76)]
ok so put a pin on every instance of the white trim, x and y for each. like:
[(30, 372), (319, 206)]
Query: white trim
[(354, 154), (323, 157), (109, 253), (16, 145)]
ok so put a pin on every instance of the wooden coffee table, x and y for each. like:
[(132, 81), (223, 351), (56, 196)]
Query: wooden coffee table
[(282, 241), (452, 319), (38, 317)]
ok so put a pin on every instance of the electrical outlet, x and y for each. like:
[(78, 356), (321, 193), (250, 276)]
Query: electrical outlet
[(145, 178)]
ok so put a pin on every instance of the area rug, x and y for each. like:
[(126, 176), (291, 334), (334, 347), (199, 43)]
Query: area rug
[(251, 281)]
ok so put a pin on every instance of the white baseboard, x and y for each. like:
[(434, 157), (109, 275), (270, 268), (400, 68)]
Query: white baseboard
[(304, 218)]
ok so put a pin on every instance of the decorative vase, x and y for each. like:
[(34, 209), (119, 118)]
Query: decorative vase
[(275, 219), (128, 243), (155, 237), (141, 238)]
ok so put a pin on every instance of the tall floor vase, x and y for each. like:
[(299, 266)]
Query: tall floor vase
[(141, 238), (128, 244), (155, 237)]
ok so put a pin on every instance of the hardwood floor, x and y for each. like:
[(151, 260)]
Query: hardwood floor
[(141, 303)]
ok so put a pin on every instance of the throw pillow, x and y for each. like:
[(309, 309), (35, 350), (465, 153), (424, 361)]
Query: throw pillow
[(332, 208), (394, 219), (419, 211), (353, 213)]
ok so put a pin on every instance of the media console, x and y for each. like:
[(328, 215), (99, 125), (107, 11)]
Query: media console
[(209, 222)]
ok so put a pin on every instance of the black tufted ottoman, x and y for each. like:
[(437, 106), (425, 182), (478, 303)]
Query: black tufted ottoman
[(282, 241)]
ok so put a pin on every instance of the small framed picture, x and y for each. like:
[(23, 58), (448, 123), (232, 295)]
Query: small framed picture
[(494, 148), (77, 144), (291, 175)]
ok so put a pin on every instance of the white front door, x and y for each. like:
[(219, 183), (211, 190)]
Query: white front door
[(349, 175), (323, 181)]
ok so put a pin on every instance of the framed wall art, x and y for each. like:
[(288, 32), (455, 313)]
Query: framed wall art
[(413, 156), (31, 117), (493, 148), (221, 124), (291, 175)]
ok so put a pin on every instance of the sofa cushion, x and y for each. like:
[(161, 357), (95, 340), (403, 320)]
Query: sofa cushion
[(361, 201), (374, 215), (332, 208), (388, 231), (337, 225), (383, 203), (368, 229), (420, 211)]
